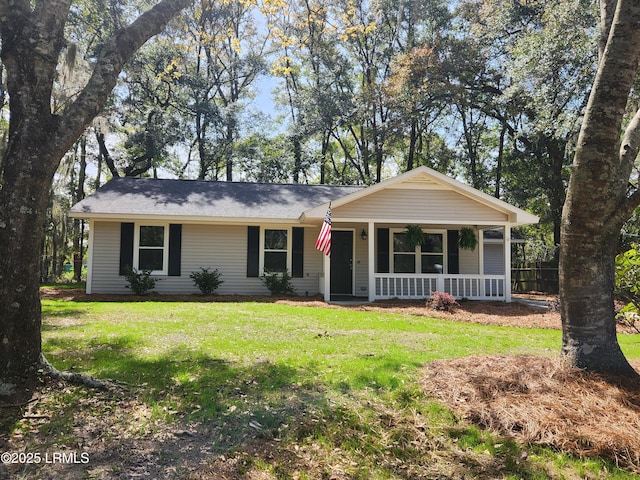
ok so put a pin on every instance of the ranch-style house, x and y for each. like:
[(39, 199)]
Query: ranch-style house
[(175, 227)]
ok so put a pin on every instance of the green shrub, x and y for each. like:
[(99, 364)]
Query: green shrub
[(140, 282), (627, 287), (206, 280), (278, 283)]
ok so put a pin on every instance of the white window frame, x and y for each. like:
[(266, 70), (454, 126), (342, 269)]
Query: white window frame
[(165, 246), (417, 252), (393, 253), (445, 266), (289, 231)]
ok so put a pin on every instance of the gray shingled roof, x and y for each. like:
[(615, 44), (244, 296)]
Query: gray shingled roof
[(196, 198)]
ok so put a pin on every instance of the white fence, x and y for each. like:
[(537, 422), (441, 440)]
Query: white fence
[(417, 286)]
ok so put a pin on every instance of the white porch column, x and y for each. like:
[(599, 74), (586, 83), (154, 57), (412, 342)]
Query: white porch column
[(92, 229), (327, 277), (507, 263), (371, 261), (481, 261)]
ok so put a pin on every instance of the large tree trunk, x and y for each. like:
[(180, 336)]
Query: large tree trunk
[(586, 288), (598, 201), (23, 209), (38, 139), (27, 173)]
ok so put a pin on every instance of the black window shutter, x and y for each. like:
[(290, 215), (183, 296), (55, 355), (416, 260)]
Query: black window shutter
[(175, 249), (126, 247), (453, 258), (297, 252), (383, 250), (253, 251)]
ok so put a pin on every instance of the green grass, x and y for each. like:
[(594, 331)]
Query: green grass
[(340, 350), (341, 380)]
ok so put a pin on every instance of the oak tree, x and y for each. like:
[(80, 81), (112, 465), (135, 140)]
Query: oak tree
[(603, 192), (33, 38)]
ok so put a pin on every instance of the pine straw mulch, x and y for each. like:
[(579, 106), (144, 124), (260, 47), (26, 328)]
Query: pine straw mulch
[(537, 400)]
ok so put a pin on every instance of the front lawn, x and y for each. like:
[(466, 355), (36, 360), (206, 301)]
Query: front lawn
[(264, 390)]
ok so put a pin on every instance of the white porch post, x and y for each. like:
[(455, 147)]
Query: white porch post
[(371, 261), (507, 263), (481, 261), (89, 286), (327, 278)]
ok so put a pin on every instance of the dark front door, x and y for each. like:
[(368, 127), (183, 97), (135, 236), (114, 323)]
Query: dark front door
[(341, 262)]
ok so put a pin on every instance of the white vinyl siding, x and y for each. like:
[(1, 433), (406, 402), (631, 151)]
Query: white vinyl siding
[(428, 206), (493, 259), (468, 261), (225, 248), (210, 246), (217, 246), (313, 265), (105, 256)]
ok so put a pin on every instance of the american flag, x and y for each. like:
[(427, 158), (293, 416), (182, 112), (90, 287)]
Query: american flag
[(323, 243)]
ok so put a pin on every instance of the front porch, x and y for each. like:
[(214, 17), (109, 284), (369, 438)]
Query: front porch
[(368, 261), (375, 254)]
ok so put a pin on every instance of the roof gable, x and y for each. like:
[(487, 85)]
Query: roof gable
[(436, 206), (426, 180)]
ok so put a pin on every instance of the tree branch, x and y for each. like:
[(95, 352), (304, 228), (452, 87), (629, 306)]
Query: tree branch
[(607, 12), (114, 54), (104, 151), (629, 149), (630, 144)]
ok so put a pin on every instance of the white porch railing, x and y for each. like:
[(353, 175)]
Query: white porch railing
[(417, 286)]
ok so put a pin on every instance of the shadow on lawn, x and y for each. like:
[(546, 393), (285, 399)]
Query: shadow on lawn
[(163, 418), (184, 415)]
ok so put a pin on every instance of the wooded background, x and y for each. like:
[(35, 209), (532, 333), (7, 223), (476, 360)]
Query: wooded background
[(340, 92)]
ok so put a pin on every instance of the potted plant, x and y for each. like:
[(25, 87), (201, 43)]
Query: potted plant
[(414, 236), (467, 239)]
